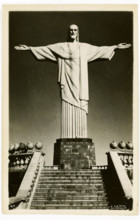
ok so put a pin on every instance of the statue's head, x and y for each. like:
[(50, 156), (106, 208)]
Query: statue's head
[(73, 33)]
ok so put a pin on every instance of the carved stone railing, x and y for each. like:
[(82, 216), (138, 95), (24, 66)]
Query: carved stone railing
[(125, 152), (21, 154), (127, 162), (31, 162), (119, 177), (19, 162), (35, 180)]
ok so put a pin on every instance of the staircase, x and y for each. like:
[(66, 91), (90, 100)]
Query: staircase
[(67, 189)]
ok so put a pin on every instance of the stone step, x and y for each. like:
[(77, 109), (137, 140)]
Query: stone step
[(69, 181), (78, 184), (71, 198), (69, 177), (68, 202), (65, 206), (72, 176), (70, 193), (71, 171), (70, 187), (64, 196), (69, 207), (66, 193)]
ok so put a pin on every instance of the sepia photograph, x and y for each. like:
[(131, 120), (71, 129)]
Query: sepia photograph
[(70, 91)]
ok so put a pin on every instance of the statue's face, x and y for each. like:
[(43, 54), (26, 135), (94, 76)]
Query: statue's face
[(73, 31)]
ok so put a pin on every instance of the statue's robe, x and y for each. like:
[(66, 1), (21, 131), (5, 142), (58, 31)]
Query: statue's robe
[(73, 61)]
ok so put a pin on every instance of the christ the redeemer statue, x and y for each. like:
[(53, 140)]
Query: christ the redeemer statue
[(72, 58)]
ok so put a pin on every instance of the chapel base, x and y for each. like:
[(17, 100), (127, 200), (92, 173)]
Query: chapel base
[(74, 153)]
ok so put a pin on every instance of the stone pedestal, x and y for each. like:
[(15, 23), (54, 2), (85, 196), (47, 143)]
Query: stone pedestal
[(74, 153)]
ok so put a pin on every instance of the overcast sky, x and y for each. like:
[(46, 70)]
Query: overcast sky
[(34, 92)]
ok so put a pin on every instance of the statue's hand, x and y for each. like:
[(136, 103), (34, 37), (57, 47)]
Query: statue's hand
[(22, 47), (123, 46)]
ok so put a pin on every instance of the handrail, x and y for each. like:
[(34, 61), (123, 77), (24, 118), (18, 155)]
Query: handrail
[(33, 189)]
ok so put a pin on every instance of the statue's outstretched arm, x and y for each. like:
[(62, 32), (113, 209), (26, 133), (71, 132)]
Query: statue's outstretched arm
[(41, 53), (104, 52), (22, 47), (123, 46)]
